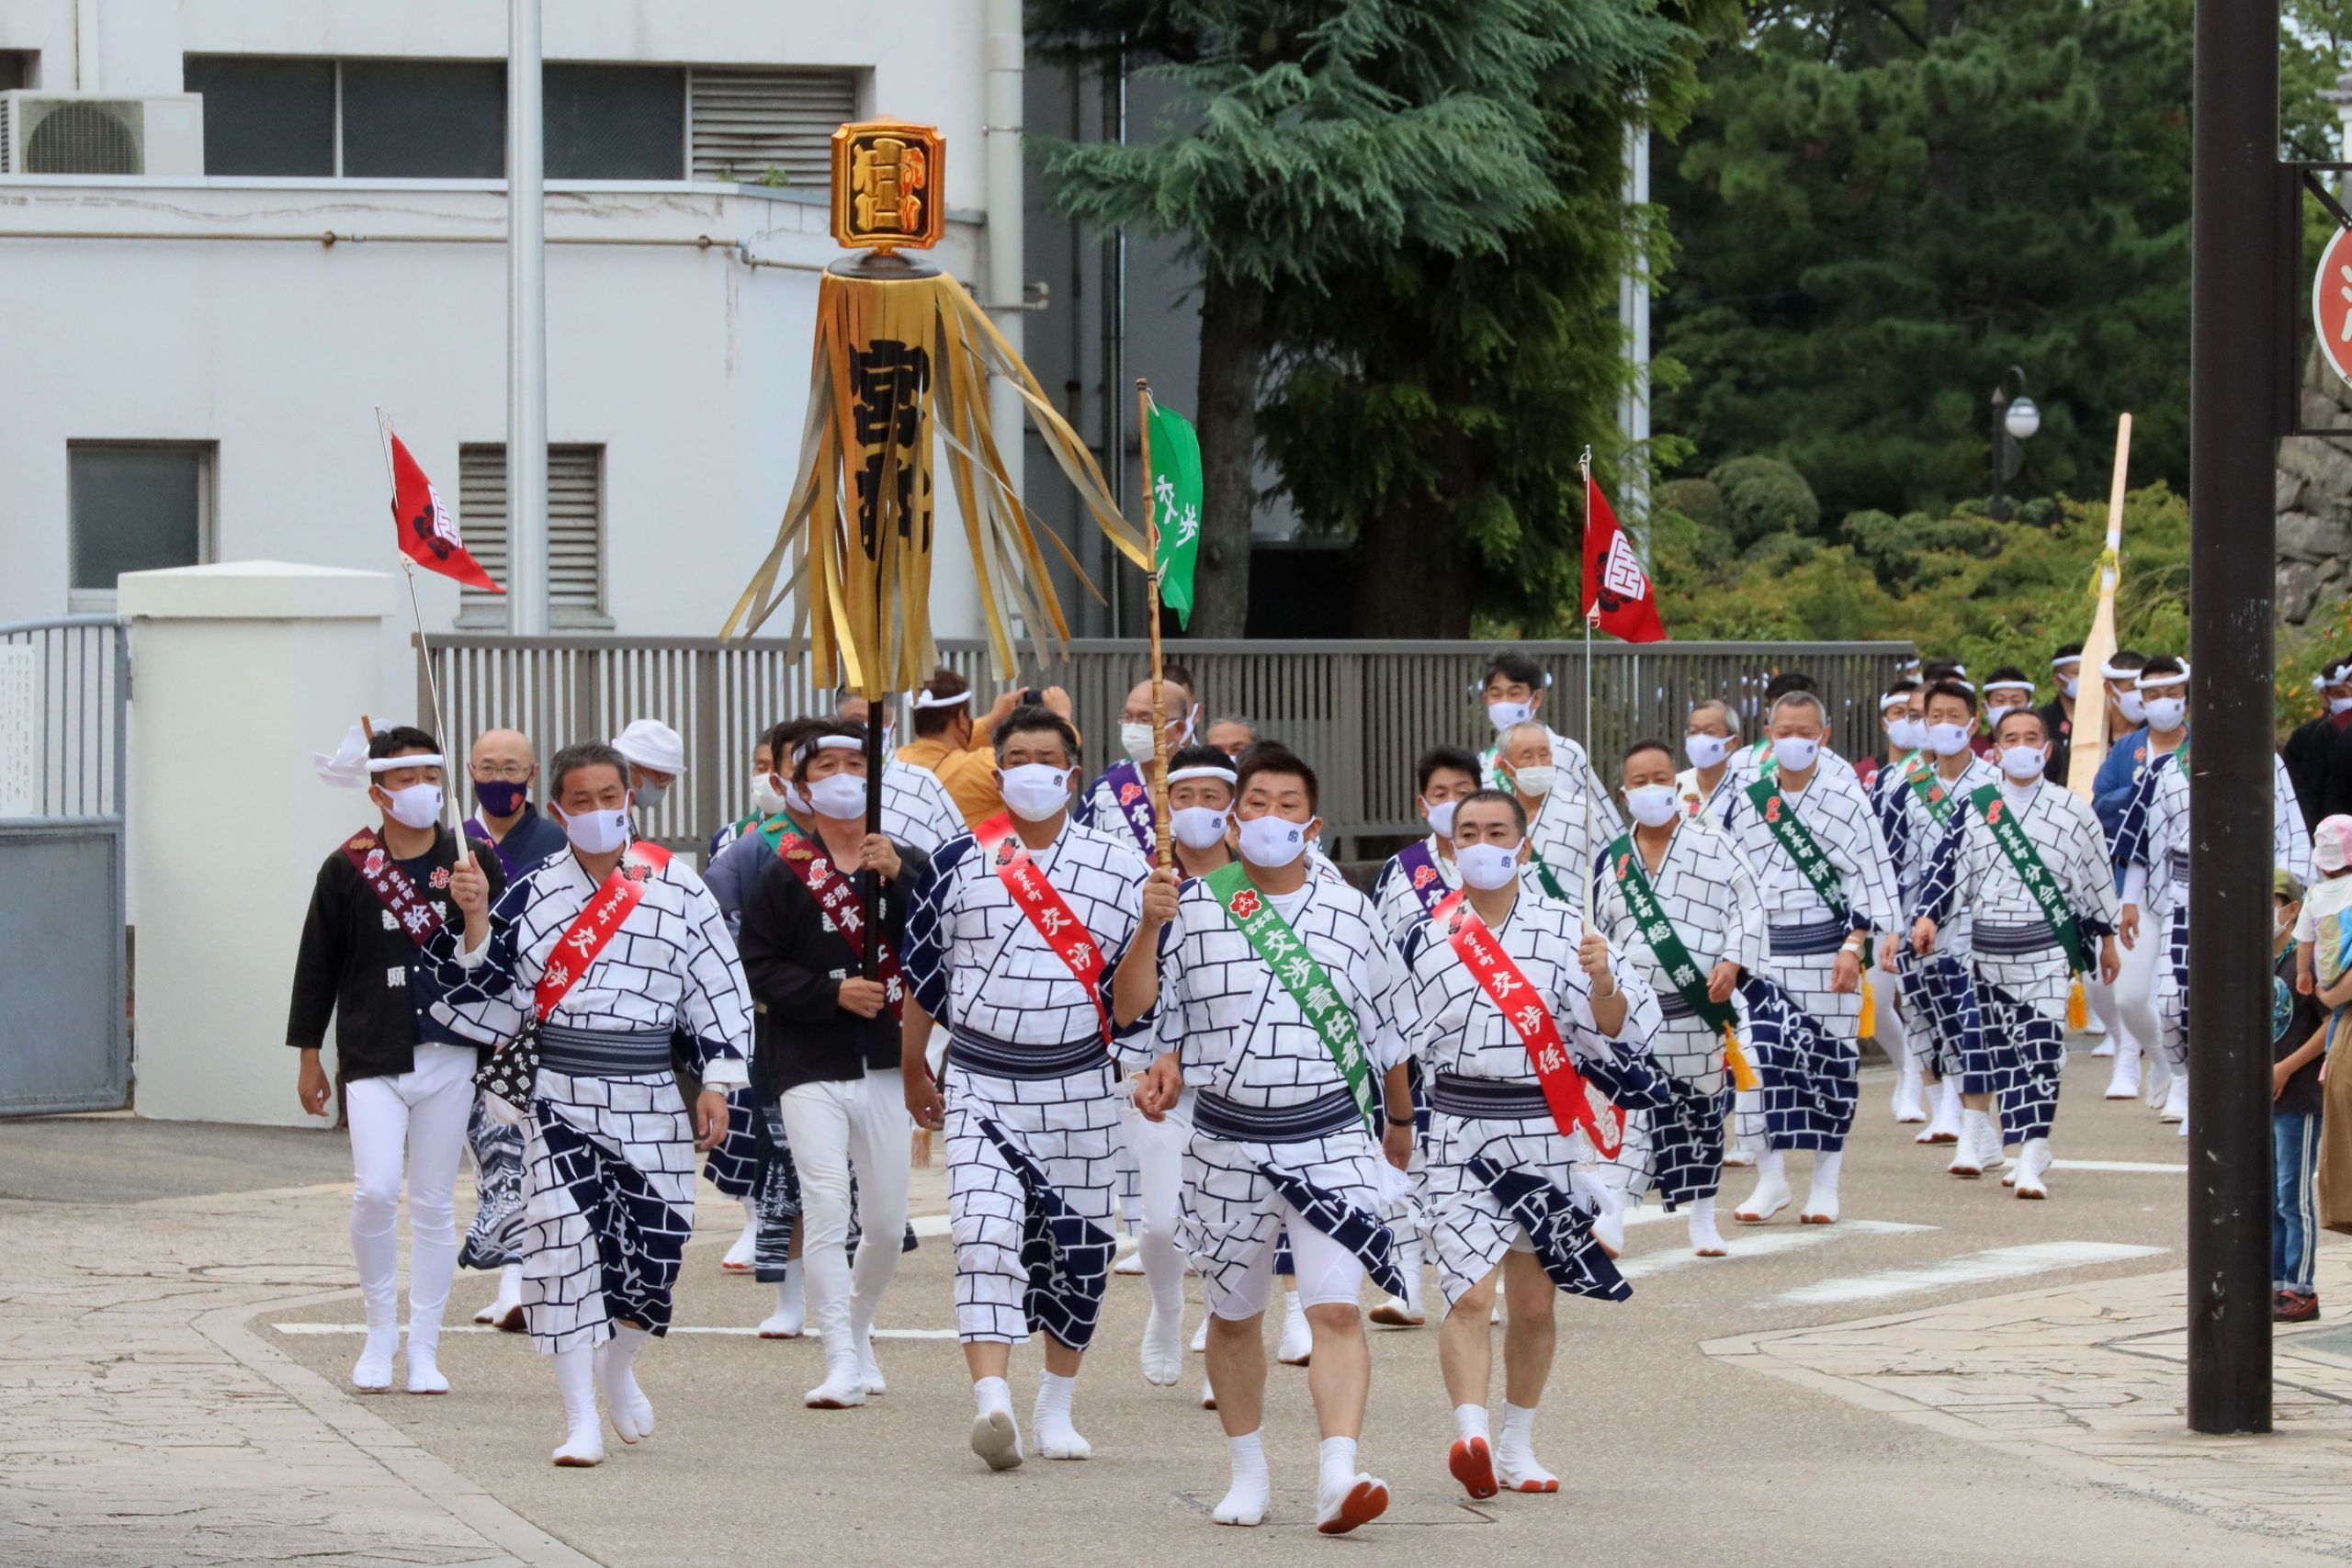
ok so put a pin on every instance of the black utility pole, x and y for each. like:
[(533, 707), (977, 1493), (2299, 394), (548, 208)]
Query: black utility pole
[(2235, 357)]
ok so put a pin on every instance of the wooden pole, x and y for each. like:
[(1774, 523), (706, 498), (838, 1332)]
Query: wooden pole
[(2090, 739), (1591, 612), (1163, 839)]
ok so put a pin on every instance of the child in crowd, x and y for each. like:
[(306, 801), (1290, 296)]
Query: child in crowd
[(2297, 1036)]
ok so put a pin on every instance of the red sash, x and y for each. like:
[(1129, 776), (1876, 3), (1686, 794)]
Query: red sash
[(1035, 897), (836, 897), (597, 923), (1506, 986), (391, 886)]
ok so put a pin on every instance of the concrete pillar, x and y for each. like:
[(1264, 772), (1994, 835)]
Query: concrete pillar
[(239, 672)]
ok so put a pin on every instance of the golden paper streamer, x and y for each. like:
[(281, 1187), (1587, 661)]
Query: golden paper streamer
[(903, 354)]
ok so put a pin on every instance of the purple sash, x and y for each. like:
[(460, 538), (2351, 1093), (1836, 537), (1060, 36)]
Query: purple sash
[(1133, 797), (1421, 873)]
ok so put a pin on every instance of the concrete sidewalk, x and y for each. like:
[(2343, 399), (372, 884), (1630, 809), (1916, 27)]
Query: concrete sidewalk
[(2092, 1380)]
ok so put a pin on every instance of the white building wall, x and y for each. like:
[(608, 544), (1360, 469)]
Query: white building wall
[(689, 365)]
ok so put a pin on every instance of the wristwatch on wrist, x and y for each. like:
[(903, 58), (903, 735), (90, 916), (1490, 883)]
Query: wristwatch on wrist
[(1404, 1121)]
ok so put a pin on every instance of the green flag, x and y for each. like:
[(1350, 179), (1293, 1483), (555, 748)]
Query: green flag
[(1175, 506)]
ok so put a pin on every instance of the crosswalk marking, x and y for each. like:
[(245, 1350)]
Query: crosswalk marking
[(1759, 1244), (727, 1330), (2129, 1167), (1968, 1268)]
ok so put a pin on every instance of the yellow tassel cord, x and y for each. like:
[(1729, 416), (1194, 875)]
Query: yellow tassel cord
[(1869, 1029), (1743, 1073), (2078, 1009), (896, 360)]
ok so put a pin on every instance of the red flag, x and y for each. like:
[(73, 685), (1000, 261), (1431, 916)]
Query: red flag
[(1617, 594), (428, 535)]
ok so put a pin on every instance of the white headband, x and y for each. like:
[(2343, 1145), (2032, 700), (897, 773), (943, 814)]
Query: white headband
[(2064, 658), (1962, 681), (2334, 675), (1890, 698), (830, 743), (1181, 774), (408, 760), (2025, 686), (927, 700), (2162, 680), (2109, 673)]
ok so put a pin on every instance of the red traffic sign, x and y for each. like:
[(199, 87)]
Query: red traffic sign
[(2332, 302)]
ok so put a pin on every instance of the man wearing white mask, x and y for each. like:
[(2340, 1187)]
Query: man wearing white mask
[(2151, 851), (1710, 736), (1278, 988), (1676, 898), (1513, 688), (2123, 795), (1568, 816), (2319, 753), (2058, 712), (1822, 867), (656, 755), (829, 1046), (598, 967), (2022, 867), (1534, 1033), (1917, 809), (916, 806), (1418, 877), (1018, 945), (1121, 800), (1902, 717), (407, 1079)]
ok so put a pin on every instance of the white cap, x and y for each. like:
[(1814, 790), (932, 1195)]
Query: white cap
[(653, 745)]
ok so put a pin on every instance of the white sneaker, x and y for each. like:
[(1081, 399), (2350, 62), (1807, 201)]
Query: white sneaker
[(2033, 1165)]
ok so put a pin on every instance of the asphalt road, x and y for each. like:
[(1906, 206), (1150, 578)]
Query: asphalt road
[(1667, 1455)]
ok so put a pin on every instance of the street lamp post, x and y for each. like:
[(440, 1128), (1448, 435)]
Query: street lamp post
[(2015, 420)]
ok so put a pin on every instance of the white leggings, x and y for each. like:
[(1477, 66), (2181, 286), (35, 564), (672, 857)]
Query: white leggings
[(2135, 989), (831, 1128), (416, 1122), (1327, 1273)]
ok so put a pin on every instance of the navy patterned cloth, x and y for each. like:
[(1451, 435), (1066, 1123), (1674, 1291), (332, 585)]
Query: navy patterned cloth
[(1560, 1228), (1066, 1258)]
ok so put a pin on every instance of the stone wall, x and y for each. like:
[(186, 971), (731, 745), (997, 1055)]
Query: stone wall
[(2314, 500)]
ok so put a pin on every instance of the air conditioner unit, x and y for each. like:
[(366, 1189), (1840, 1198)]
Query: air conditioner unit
[(99, 133)]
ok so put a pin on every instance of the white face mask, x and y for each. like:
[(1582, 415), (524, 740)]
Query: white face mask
[(841, 797), (1653, 804), (1138, 742), (2128, 705), (597, 832), (2165, 713), (767, 799), (415, 806), (1487, 866), (1907, 734), (2339, 705), (1795, 752), (1536, 779), (2067, 683), (1705, 751), (1948, 740), (1441, 817), (2023, 763), (797, 799), (1037, 791), (1198, 826), (1273, 842), (1502, 715)]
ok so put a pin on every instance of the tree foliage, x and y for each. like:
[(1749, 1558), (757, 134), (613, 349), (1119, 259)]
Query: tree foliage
[(1883, 204)]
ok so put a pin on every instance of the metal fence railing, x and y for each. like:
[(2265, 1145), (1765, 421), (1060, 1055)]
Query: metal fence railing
[(63, 730), (1359, 711)]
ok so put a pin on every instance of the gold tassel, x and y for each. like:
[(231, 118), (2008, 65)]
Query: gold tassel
[(2079, 1011), (1869, 1029), (898, 359), (1743, 1074)]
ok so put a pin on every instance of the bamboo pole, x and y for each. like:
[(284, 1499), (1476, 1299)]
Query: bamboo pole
[(1163, 839)]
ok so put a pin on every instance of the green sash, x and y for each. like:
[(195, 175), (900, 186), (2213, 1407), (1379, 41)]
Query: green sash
[(2009, 833), (1929, 788), (1767, 764), (1797, 840), (1253, 914), (1673, 959), (776, 829), (1544, 875)]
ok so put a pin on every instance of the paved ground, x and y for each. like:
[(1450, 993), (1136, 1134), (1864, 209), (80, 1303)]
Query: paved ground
[(173, 1371)]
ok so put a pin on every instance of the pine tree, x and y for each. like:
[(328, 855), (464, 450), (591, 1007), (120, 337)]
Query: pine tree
[(1316, 138)]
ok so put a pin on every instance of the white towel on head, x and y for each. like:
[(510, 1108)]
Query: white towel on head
[(347, 769)]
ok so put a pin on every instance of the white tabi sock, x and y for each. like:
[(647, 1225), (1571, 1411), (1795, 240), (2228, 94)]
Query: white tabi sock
[(1056, 1435), (1298, 1335), (1338, 1468), (1515, 1461), (1826, 1166), (632, 1412), (1470, 1421), (996, 1435), (791, 1315), (1245, 1503), (740, 1252), (575, 1379), (1705, 1239)]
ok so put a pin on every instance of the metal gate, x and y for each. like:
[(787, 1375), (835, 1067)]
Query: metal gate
[(64, 1007)]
